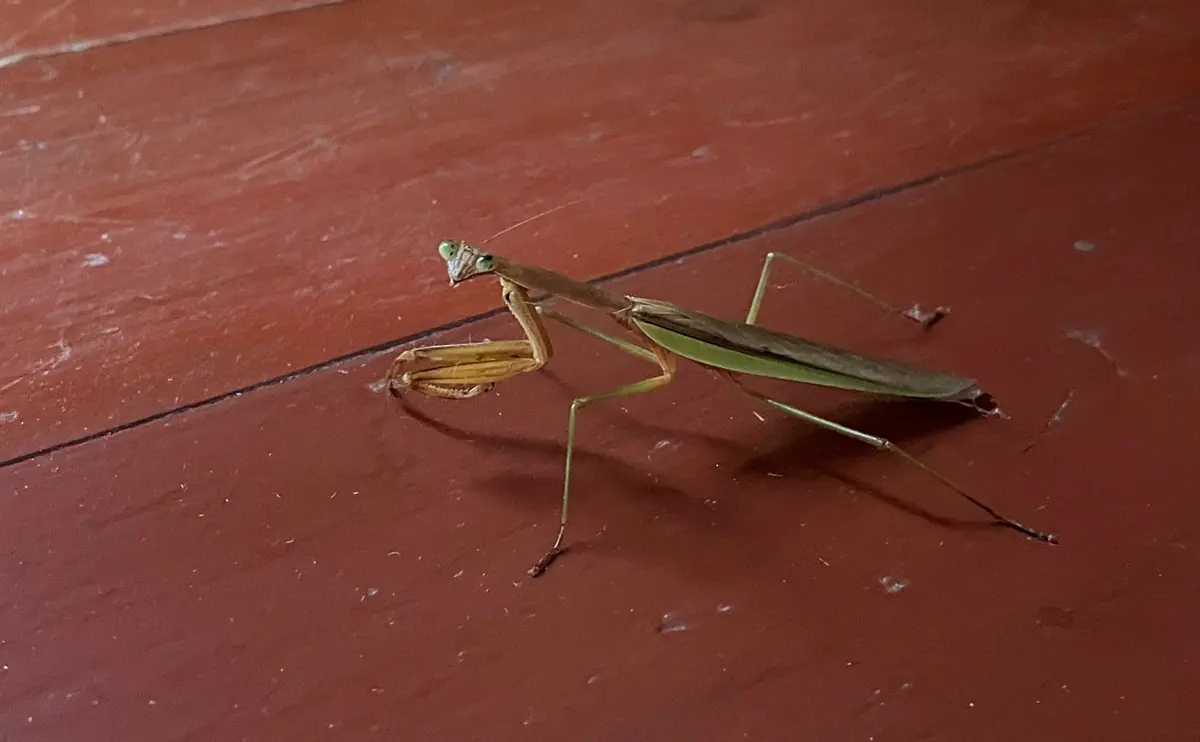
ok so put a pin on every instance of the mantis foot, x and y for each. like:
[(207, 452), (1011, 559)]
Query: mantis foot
[(1032, 533), (539, 569), (555, 552)]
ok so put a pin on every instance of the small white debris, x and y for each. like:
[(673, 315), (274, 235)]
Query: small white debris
[(926, 318), (95, 260), (372, 592), (1084, 246)]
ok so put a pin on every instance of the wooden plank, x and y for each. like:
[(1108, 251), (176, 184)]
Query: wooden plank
[(188, 215), (310, 561)]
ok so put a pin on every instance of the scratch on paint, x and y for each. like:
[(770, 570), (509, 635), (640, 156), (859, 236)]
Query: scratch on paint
[(20, 36), (22, 111), (284, 155), (64, 354), (83, 45), (1055, 419), (322, 138), (737, 124), (12, 383)]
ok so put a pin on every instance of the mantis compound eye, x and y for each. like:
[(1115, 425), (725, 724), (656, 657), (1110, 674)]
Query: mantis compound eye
[(447, 249)]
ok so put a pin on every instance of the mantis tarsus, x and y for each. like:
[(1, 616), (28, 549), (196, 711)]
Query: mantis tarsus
[(727, 348)]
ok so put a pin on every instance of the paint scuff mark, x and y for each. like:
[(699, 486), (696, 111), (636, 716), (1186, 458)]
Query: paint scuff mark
[(1055, 617), (21, 111), (663, 445), (1084, 246), (671, 624), (926, 319), (95, 260), (1091, 338), (9, 417), (1055, 419), (378, 386), (892, 585), (64, 355)]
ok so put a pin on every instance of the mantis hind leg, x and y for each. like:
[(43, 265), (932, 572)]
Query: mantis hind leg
[(925, 319), (882, 444)]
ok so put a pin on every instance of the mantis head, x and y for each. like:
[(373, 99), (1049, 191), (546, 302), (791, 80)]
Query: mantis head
[(463, 261)]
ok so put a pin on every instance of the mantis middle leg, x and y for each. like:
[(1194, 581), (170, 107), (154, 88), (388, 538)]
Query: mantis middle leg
[(926, 319), (666, 363)]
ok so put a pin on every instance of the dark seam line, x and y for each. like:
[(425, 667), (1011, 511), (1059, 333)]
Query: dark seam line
[(869, 196)]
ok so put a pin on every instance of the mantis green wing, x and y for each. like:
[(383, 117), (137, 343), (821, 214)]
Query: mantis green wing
[(750, 349)]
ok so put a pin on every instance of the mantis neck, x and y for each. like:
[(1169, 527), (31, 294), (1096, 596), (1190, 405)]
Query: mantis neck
[(548, 282)]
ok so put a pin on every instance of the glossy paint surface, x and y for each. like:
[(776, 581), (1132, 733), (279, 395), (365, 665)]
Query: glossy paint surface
[(312, 559)]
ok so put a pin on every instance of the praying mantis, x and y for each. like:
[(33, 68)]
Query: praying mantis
[(668, 332)]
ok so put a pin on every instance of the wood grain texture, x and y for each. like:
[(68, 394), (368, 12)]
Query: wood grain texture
[(310, 561), (190, 214)]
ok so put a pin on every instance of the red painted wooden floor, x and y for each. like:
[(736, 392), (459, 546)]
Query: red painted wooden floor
[(192, 213)]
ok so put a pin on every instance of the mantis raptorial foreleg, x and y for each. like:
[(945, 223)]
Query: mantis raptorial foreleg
[(461, 371), (470, 369), (924, 319), (882, 444)]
